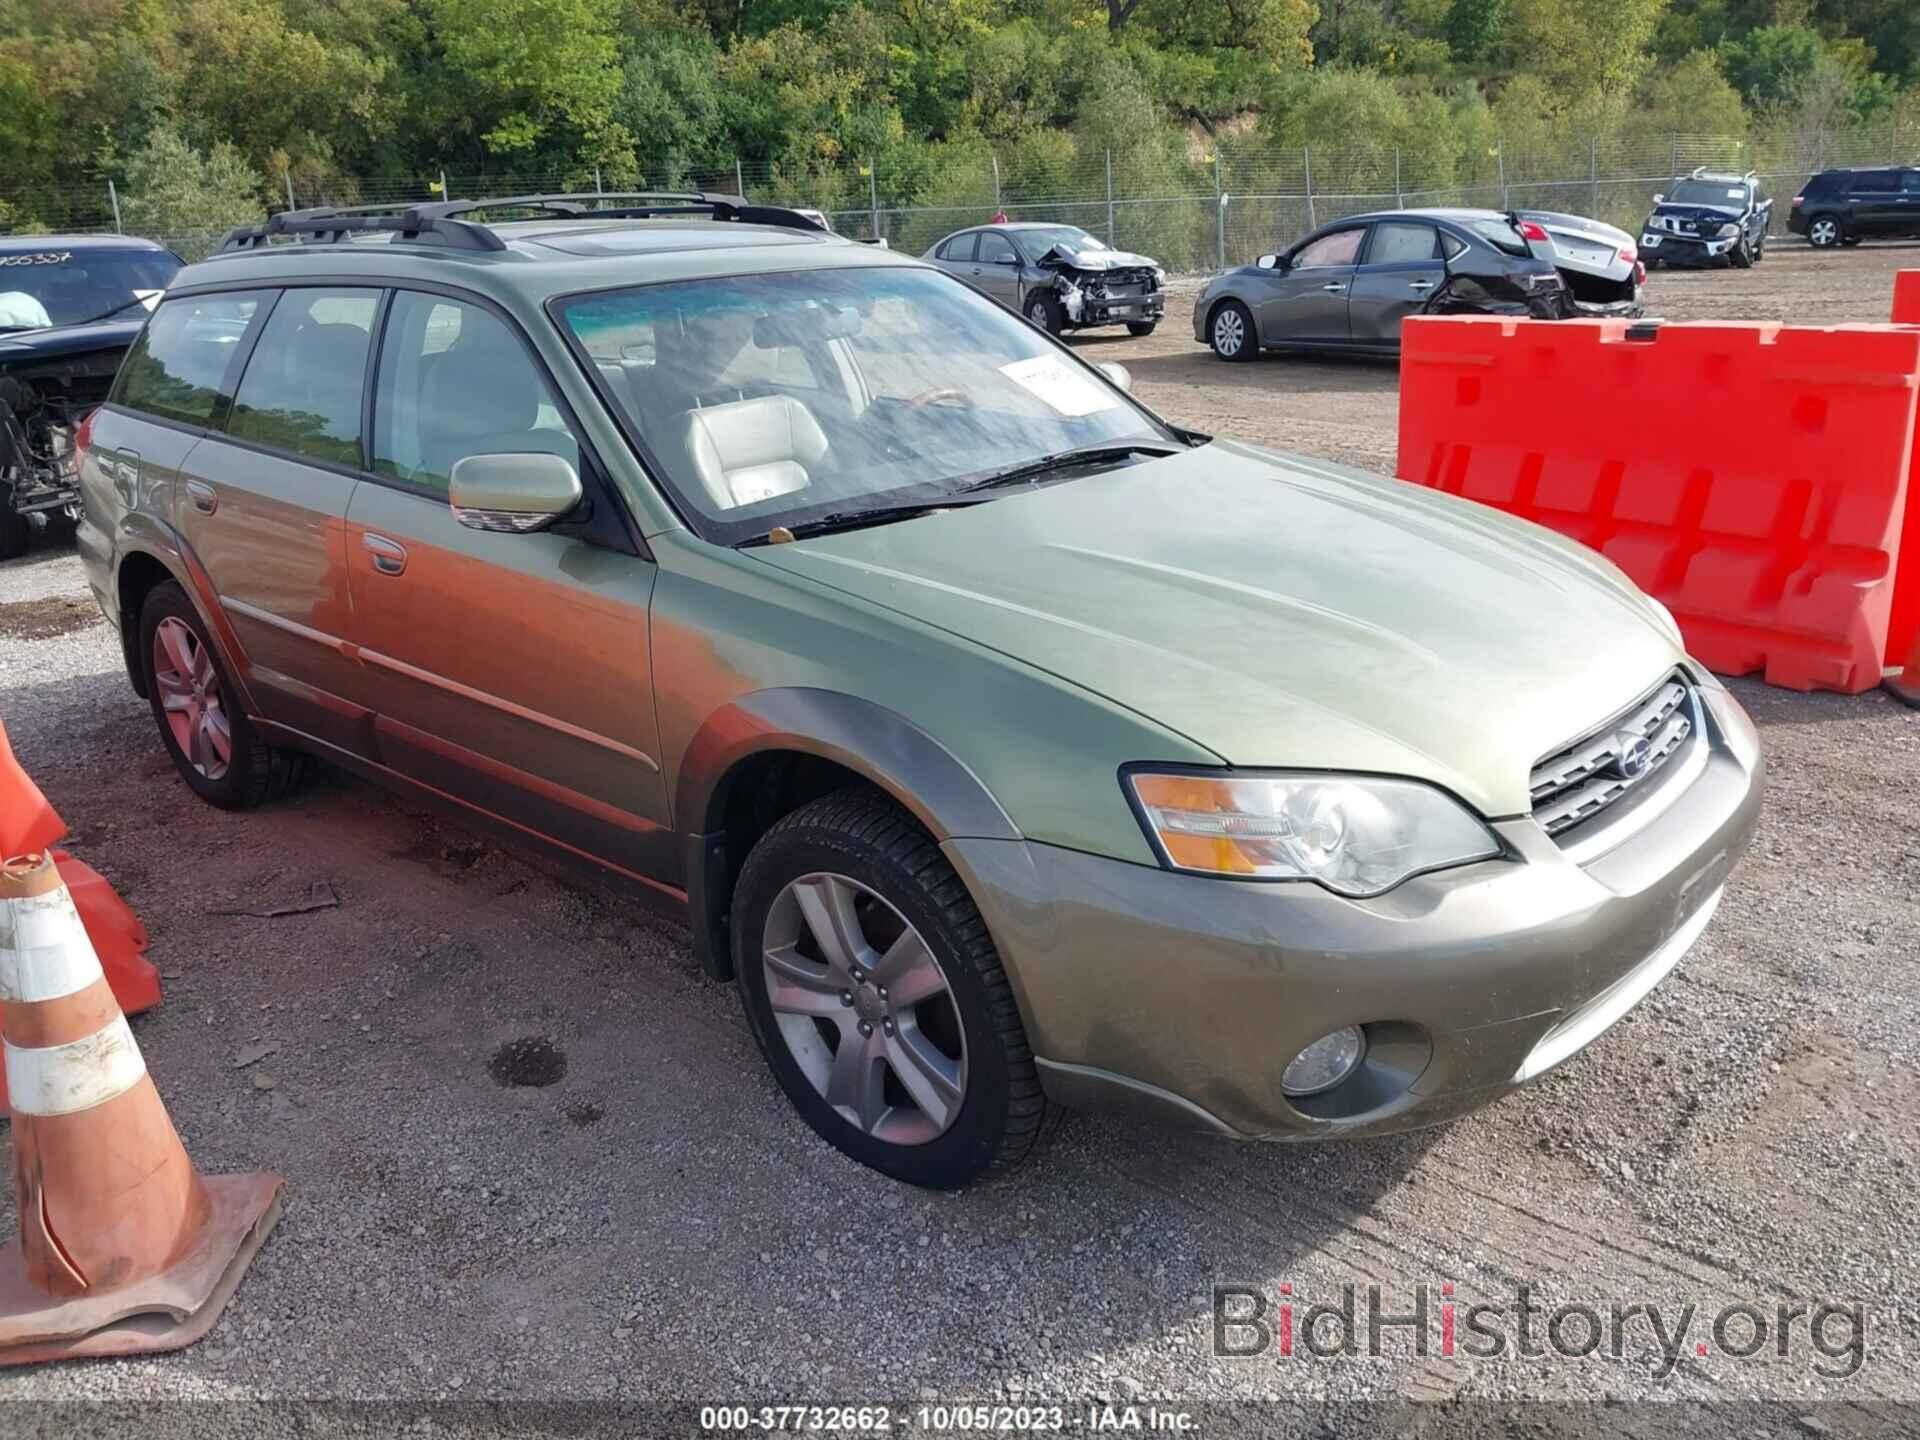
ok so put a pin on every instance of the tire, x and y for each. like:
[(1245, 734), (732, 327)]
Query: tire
[(1824, 232), (1230, 332), (16, 534), (1740, 257), (1760, 248), (173, 644), (857, 854), (1044, 310), (1852, 240), (1142, 328)]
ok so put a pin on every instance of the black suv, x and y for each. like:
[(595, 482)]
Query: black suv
[(1844, 207), (1708, 218), (70, 305)]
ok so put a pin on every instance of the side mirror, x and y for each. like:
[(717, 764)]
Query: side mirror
[(1269, 262), (515, 493), (1118, 374), (1659, 196)]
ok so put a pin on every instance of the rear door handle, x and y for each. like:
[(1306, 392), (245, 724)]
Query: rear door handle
[(1419, 284), (124, 467), (389, 556), (205, 498)]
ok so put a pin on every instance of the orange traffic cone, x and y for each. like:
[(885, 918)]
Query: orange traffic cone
[(123, 1247), (1905, 687)]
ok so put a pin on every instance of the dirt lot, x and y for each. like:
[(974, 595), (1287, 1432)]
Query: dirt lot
[(656, 1226)]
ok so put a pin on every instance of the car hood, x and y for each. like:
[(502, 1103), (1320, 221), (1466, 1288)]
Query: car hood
[(1095, 259), (1282, 612), (62, 340)]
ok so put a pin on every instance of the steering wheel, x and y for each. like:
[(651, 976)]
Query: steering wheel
[(939, 394)]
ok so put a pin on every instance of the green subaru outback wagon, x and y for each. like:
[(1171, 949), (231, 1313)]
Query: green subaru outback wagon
[(1009, 747)]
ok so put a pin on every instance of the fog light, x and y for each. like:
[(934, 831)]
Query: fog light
[(1324, 1063)]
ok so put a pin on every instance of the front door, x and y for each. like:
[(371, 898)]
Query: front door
[(1307, 302), (1395, 278), (997, 271), (511, 672)]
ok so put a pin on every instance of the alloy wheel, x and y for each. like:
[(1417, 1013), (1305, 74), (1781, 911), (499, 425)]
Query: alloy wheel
[(865, 1010), (1229, 332), (1823, 233), (190, 698)]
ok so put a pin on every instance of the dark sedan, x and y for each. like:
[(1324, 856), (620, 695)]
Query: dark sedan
[(1349, 284)]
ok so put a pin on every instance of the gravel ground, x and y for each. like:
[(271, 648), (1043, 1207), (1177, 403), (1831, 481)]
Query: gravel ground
[(656, 1227)]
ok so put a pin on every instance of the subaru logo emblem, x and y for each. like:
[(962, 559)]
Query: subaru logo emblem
[(1636, 752)]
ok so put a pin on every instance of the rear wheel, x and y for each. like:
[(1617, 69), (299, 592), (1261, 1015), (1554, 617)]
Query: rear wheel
[(1230, 332), (1141, 328), (213, 744), (1823, 232), (1044, 310), (878, 998)]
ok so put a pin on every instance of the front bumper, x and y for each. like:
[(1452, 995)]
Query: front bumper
[(1686, 249), (1182, 997)]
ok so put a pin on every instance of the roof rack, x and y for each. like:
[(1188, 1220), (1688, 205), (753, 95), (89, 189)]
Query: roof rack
[(442, 222), (1702, 171)]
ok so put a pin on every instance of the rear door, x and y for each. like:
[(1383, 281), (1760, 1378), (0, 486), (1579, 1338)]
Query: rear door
[(1876, 202), (263, 505), (509, 671), (1307, 302), (1910, 202), (1399, 271)]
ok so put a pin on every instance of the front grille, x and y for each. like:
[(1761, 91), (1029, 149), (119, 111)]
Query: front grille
[(1621, 759)]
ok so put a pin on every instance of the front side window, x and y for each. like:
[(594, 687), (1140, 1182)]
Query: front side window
[(917, 386), (177, 369), (305, 380), (1910, 181), (1396, 243), (996, 250), (1342, 247), (456, 381)]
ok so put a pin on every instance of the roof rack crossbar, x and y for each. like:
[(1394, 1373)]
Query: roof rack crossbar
[(442, 221)]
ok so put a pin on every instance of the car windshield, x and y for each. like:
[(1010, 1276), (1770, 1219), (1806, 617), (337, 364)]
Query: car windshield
[(1043, 238), (1719, 194), (776, 400), (57, 286)]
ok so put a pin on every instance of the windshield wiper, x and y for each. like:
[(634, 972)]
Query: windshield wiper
[(855, 520), (103, 315), (1068, 460)]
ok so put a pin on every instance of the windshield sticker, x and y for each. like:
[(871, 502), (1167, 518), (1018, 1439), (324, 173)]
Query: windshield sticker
[(1736, 194), (40, 257), (1059, 385)]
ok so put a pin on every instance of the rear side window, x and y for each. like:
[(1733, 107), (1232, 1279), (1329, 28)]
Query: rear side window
[(306, 377), (960, 247), (455, 381), (1876, 182), (179, 367), (1396, 242)]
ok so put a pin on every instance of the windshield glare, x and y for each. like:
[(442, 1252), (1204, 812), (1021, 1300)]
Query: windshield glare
[(56, 286), (776, 399), (1716, 193)]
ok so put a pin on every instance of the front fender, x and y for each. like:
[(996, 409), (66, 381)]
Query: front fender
[(885, 748)]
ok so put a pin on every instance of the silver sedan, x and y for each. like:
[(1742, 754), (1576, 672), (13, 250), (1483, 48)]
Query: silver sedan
[(1059, 276)]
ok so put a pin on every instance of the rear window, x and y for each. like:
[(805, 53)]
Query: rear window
[(1501, 235), (181, 366)]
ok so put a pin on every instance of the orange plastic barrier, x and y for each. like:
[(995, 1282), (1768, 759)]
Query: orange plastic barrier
[(28, 825), (1906, 297), (1752, 477)]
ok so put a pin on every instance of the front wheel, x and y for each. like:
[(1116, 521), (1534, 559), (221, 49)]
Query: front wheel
[(1141, 328), (1230, 332), (1044, 310), (1740, 256), (878, 998), (213, 744), (1823, 232)]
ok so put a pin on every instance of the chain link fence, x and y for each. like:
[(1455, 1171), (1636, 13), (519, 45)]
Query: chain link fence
[(1191, 214)]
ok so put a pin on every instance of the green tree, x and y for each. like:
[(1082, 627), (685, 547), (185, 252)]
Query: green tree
[(1774, 62), (187, 197)]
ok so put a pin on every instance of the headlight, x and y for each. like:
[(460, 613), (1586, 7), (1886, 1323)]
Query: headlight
[(1356, 835), (1729, 230)]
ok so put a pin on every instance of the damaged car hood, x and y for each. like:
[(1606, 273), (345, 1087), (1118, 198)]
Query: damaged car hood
[(1077, 259), (1281, 612)]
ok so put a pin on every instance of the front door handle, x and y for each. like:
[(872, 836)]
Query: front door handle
[(389, 556), (1419, 284), (1335, 288), (205, 498)]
